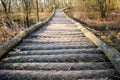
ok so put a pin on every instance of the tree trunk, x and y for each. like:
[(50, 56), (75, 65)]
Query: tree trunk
[(103, 8), (37, 10), (4, 6), (27, 19), (9, 7)]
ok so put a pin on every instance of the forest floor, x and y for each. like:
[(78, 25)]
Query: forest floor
[(17, 23), (107, 29)]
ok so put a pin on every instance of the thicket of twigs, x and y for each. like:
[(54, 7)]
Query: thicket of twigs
[(101, 15), (17, 15)]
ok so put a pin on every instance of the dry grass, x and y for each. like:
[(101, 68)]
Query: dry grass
[(18, 25), (109, 27)]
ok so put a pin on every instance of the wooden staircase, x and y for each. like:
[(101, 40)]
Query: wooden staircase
[(57, 51)]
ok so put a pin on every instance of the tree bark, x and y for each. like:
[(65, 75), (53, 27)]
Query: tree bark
[(37, 10), (103, 8), (9, 6), (4, 6)]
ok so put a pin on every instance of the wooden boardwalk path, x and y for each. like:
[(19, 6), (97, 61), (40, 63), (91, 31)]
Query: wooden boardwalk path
[(57, 51)]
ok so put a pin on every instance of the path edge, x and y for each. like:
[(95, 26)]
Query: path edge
[(112, 54), (7, 46)]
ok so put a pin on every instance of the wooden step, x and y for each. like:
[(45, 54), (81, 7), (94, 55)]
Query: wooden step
[(57, 51), (55, 36), (57, 66), (58, 38), (67, 44), (43, 47), (54, 75), (58, 33), (57, 43), (53, 33), (51, 42), (57, 58)]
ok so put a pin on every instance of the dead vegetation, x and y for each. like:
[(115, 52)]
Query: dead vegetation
[(107, 29), (18, 15), (101, 15), (18, 24)]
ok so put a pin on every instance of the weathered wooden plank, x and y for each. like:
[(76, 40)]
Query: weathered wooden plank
[(57, 66), (57, 51), (56, 58), (54, 46), (17, 39), (54, 75)]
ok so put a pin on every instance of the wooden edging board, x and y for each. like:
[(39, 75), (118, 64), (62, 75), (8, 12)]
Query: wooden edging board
[(7, 46), (112, 54)]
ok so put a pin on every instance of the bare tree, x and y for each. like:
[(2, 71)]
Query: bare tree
[(4, 4), (37, 7), (27, 10), (103, 7)]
